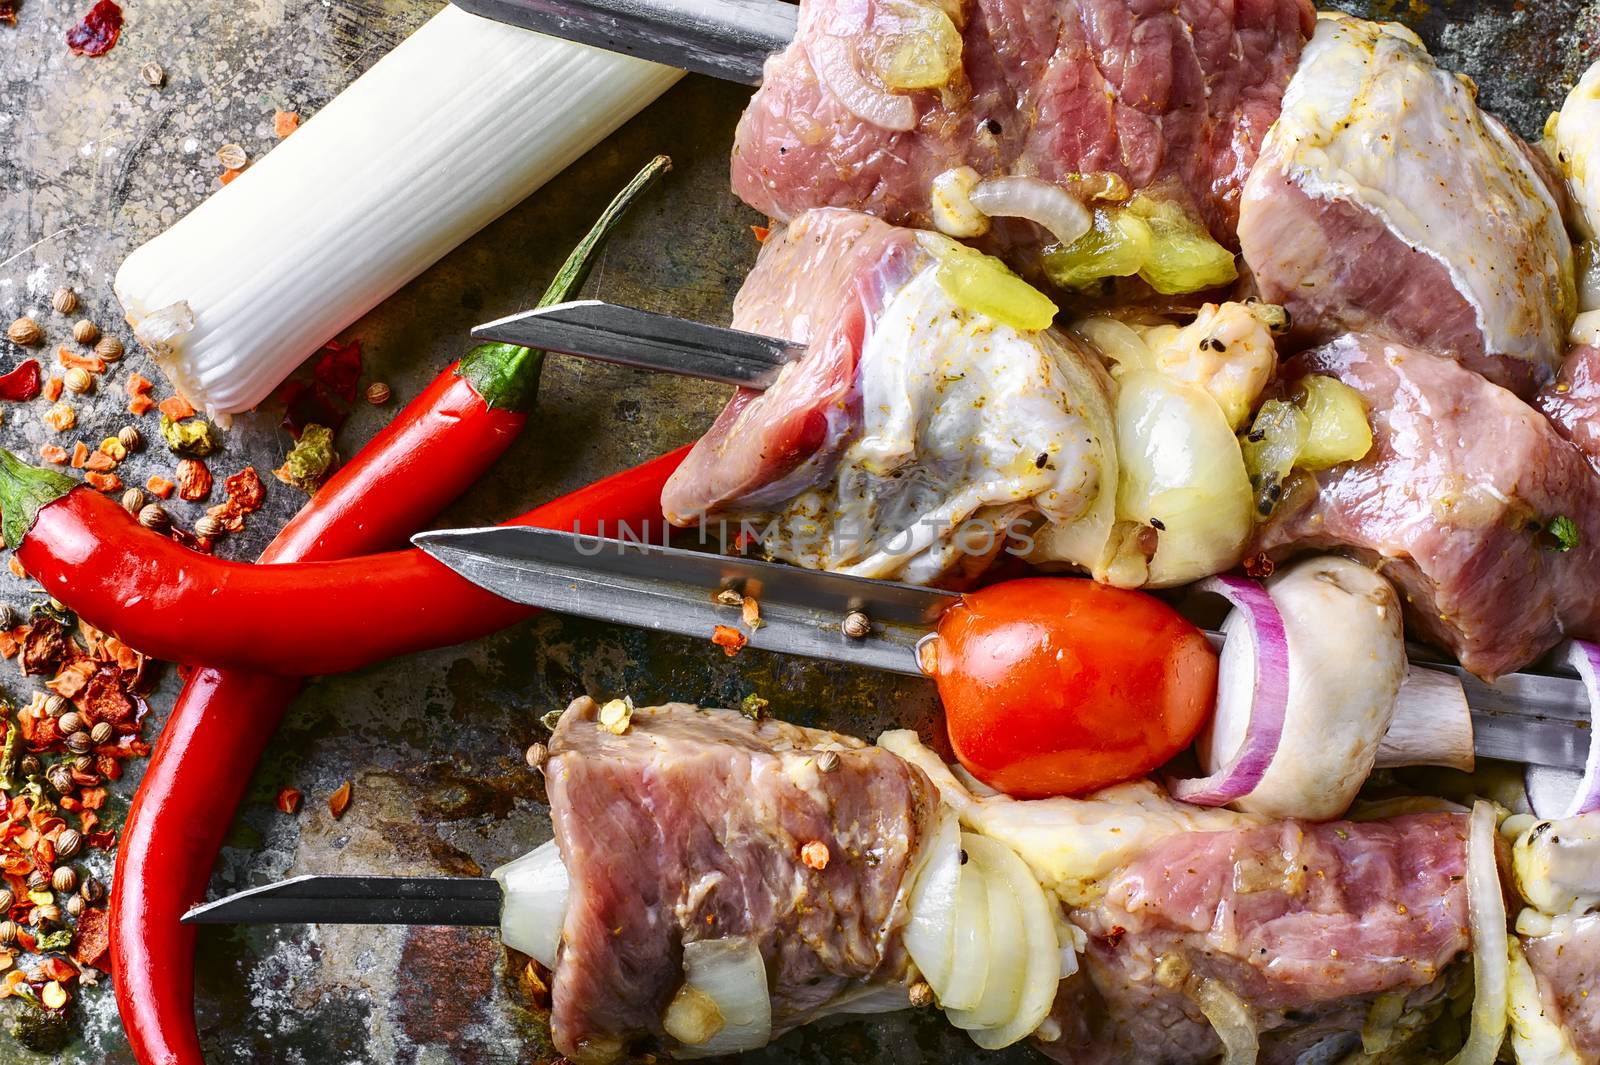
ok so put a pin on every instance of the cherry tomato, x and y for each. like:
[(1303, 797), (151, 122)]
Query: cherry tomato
[(1059, 686)]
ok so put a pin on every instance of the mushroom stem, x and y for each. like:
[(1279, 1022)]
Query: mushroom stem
[(1431, 724)]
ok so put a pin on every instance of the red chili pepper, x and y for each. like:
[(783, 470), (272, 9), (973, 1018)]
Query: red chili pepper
[(23, 382), (304, 619), (433, 450)]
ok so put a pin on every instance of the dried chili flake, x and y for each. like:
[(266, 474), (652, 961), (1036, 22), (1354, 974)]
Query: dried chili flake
[(194, 480), (98, 461), (288, 801), (177, 408), (339, 801), (326, 395), (61, 417), (729, 639), (761, 233), (58, 968), (227, 176), (22, 383), (73, 361), (54, 454), (105, 482), (71, 678), (285, 123), (93, 947), (106, 698), (8, 12), (1259, 567), (97, 31), (141, 404), (45, 646), (138, 384), (245, 493), (815, 855), (80, 455), (52, 389), (159, 486)]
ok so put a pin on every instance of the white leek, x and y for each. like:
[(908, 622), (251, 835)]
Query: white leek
[(444, 134)]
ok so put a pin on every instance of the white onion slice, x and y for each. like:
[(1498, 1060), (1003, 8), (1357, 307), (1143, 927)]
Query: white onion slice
[(1583, 658), (831, 57), (1008, 943), (536, 888), (1268, 701), (1037, 200), (972, 956), (1491, 944), (731, 973), (1043, 968), (931, 926), (1230, 1017)]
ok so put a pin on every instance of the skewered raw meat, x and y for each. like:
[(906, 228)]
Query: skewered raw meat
[(1384, 201), (1572, 401), (1454, 504), (915, 432), (1183, 908), (875, 98), (689, 826), (1565, 964)]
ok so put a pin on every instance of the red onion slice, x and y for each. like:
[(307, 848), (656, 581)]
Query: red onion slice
[(1583, 658), (1269, 702)]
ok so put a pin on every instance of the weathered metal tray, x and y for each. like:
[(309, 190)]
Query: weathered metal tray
[(93, 161)]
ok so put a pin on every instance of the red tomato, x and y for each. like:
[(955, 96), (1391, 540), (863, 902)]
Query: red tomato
[(1059, 686)]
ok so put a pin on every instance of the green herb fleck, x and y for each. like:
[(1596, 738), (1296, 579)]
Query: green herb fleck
[(8, 757), (40, 1030), (60, 939), (1564, 531), (191, 437), (308, 463), (552, 719), (754, 706)]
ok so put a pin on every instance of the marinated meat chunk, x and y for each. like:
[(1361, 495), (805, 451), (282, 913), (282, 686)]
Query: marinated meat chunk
[(1469, 502), (917, 432), (1305, 923), (1385, 202), (689, 826), (1572, 401), (1179, 94), (1566, 966)]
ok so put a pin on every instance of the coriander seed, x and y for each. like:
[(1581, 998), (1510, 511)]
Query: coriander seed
[(153, 75), (9, 931), (84, 763), (92, 890), (109, 349), (78, 380), (378, 393), (72, 721), (132, 501), (536, 755), (38, 880), (154, 516), (7, 897), (64, 879), (45, 916), (102, 732), (79, 743), (56, 705), (85, 331), (69, 843), (856, 625), (130, 437), (8, 616), (75, 907), (232, 156), (209, 527), (60, 779), (921, 994), (65, 301), (29, 765), (828, 761), (25, 331)]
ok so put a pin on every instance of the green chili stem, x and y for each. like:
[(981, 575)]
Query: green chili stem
[(507, 376), (23, 490)]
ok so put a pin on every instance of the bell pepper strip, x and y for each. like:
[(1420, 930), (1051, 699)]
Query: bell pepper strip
[(433, 450), (295, 619)]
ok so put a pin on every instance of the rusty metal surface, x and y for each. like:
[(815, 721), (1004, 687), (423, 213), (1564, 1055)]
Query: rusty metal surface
[(93, 161)]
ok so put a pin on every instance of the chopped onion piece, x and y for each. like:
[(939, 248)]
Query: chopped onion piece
[(1042, 970), (931, 926), (535, 906), (1232, 1020), (833, 60), (950, 197), (1491, 945), (1037, 200), (730, 974), (1268, 698), (964, 990), (1008, 942), (1584, 659)]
